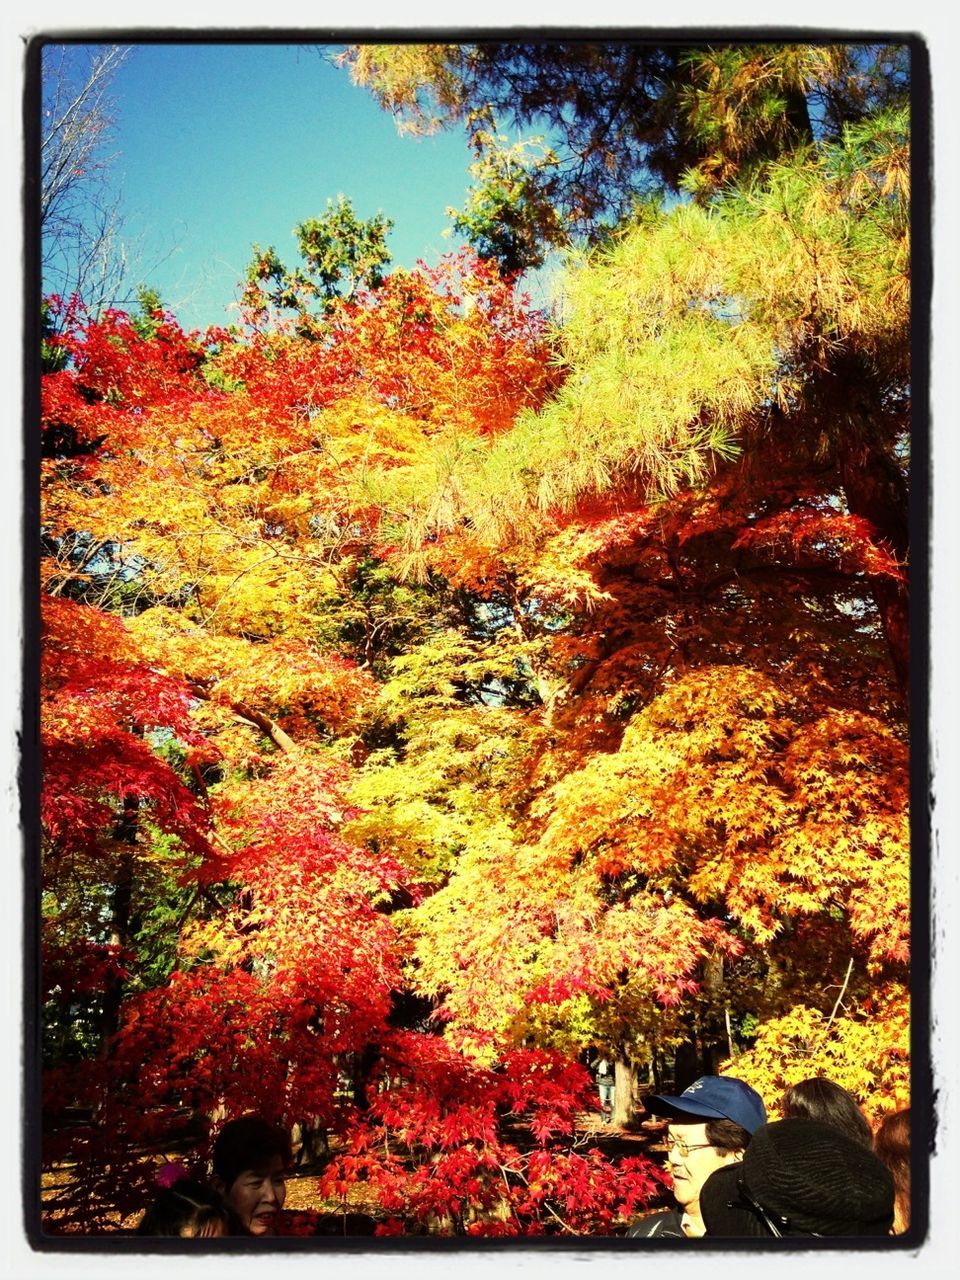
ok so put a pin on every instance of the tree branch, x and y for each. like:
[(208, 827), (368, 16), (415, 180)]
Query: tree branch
[(843, 989)]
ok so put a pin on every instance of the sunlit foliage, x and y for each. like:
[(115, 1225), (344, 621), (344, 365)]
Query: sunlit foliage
[(433, 692)]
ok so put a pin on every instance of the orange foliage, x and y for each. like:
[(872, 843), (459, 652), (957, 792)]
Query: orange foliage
[(544, 796)]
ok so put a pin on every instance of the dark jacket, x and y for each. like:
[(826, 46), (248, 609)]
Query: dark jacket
[(666, 1224)]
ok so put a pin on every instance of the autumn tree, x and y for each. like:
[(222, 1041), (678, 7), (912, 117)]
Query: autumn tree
[(470, 690), (120, 824), (621, 120), (716, 495), (214, 491), (341, 254)]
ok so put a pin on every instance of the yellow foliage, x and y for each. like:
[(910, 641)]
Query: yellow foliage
[(866, 1050)]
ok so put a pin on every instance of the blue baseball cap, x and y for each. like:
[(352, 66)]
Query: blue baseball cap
[(714, 1098)]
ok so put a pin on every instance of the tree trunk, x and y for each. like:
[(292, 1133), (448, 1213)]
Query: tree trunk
[(686, 1065), (625, 1082), (312, 1143), (876, 490), (712, 1035), (656, 1071), (119, 931), (125, 832), (363, 1066)]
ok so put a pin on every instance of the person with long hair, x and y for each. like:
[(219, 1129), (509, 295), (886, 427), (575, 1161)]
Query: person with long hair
[(821, 1099), (892, 1145)]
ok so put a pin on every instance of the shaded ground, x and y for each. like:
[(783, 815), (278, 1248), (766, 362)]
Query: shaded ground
[(303, 1196)]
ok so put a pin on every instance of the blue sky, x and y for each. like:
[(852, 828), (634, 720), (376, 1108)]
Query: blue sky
[(219, 146)]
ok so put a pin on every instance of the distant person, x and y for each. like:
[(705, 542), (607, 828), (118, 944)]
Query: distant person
[(250, 1162), (823, 1100), (189, 1209), (892, 1145), (606, 1086), (710, 1125), (800, 1178)]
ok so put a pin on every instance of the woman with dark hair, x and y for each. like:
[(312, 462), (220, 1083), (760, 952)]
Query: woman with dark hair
[(823, 1100), (250, 1161), (186, 1208), (892, 1145)]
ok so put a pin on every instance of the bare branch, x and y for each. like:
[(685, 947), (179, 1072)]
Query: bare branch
[(79, 211)]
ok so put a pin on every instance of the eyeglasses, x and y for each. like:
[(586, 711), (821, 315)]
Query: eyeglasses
[(678, 1144), (774, 1223)]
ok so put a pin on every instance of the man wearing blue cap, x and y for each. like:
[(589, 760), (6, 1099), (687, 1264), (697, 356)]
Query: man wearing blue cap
[(710, 1125)]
